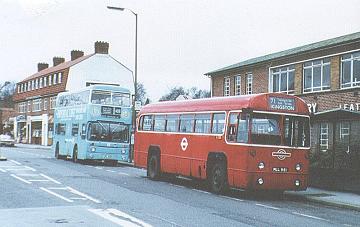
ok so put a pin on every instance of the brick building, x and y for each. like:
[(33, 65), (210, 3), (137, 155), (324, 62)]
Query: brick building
[(326, 75), (35, 95)]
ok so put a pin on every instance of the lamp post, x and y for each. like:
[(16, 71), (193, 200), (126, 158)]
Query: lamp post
[(135, 79)]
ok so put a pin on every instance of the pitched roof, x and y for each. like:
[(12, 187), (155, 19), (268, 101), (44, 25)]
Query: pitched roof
[(59, 67), (296, 50)]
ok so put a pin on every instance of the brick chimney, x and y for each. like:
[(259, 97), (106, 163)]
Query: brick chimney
[(42, 66), (101, 47), (58, 60), (76, 54)]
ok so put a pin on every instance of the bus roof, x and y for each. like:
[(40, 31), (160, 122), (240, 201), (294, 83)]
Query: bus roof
[(105, 87), (259, 102)]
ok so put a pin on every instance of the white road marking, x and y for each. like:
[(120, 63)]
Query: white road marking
[(39, 180), (120, 218), (30, 168), (179, 186), (266, 206), (20, 179), (111, 171), (83, 195), (309, 216), (197, 190), (2, 170), (97, 167), (13, 161), (227, 197), (57, 195), (125, 174), (50, 179)]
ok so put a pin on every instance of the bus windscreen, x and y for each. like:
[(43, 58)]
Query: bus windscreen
[(108, 132)]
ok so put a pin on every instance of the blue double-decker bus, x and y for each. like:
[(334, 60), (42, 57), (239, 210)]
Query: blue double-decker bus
[(93, 124)]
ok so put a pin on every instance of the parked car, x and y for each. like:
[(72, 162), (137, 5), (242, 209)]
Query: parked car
[(7, 140)]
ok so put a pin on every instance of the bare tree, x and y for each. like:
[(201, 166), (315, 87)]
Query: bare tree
[(193, 92)]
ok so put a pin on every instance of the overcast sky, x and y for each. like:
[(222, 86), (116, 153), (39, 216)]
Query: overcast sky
[(178, 40)]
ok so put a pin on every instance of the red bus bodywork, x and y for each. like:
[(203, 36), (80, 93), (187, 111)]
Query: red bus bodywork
[(242, 159)]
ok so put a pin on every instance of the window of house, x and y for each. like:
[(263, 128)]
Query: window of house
[(202, 123), (55, 78), (18, 89), (159, 124), (32, 85), (37, 84), (22, 107), (59, 78), (350, 70), (237, 85), (227, 86), (218, 123), (41, 83), (50, 79), (45, 103), (36, 105), (29, 106), (186, 122), (25, 87), (249, 82), (344, 130), (283, 79), (29, 85), (324, 136), (45, 81), (317, 75), (52, 102)]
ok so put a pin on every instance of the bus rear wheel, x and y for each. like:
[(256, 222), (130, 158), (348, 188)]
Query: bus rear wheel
[(217, 178), (75, 155), (153, 167)]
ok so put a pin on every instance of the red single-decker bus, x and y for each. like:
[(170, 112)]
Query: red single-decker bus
[(253, 142)]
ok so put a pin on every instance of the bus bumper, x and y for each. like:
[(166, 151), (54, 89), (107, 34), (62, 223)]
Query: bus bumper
[(277, 181), (108, 156)]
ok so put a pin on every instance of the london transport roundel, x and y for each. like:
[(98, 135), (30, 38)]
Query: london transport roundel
[(184, 144)]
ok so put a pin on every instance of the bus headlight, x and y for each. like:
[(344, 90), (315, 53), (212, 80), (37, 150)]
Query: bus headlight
[(260, 181), (92, 149), (261, 165), (123, 152), (298, 167)]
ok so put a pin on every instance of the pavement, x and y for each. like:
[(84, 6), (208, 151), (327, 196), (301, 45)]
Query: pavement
[(338, 199)]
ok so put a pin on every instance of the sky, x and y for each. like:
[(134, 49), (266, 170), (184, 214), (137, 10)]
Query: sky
[(178, 40)]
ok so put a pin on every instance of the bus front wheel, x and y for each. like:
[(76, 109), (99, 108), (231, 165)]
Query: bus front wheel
[(153, 167), (217, 178), (75, 155)]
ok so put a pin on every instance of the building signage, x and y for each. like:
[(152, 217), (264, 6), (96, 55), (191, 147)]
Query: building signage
[(350, 106), (278, 103), (312, 107), (107, 110)]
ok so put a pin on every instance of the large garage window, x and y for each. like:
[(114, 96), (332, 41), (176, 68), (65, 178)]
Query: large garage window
[(350, 70), (317, 75)]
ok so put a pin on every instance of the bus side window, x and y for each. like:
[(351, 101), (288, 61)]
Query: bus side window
[(202, 123), (218, 123), (186, 122), (243, 128), (83, 131), (159, 124), (172, 123)]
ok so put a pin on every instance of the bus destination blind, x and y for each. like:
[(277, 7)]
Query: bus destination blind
[(278, 103)]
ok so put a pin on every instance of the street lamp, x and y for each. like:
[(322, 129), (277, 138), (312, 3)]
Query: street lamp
[(135, 82)]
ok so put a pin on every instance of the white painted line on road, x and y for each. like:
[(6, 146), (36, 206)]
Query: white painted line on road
[(13, 161), (347, 225), (197, 190), (2, 170), (50, 179), (227, 197), (39, 180), (179, 186), (266, 206), (119, 218), (57, 195), (30, 168), (125, 174), (20, 179), (111, 171), (83, 195), (97, 167), (309, 216), (27, 174)]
